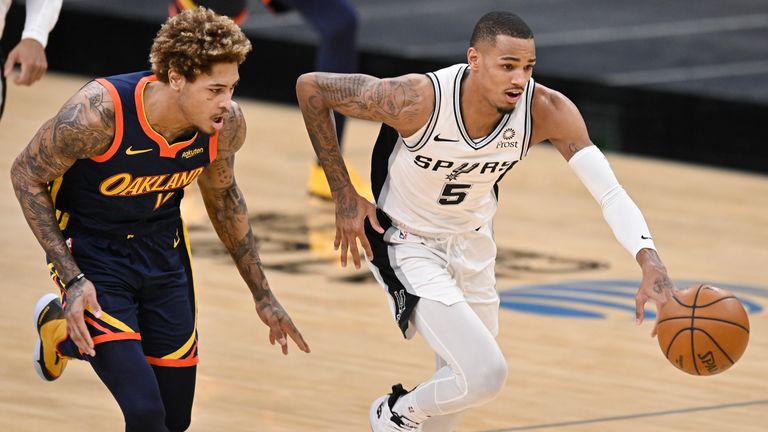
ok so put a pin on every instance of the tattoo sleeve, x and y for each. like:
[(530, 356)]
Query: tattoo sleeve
[(82, 128), (355, 95), (228, 212)]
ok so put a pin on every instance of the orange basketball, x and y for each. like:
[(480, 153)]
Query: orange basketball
[(703, 330)]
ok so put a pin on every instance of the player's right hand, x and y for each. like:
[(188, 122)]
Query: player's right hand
[(81, 296), (30, 55), (351, 211), (280, 324)]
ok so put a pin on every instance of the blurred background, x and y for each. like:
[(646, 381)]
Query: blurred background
[(684, 80)]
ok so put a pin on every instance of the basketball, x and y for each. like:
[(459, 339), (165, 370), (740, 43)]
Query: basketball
[(703, 330)]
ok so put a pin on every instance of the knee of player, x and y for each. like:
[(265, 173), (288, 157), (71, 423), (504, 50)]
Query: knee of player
[(485, 382), (144, 416)]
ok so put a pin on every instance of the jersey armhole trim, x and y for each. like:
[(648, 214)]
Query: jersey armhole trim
[(118, 122), (432, 119), (528, 120), (213, 146)]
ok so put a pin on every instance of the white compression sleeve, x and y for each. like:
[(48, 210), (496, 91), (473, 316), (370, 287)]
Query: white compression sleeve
[(41, 17), (621, 213)]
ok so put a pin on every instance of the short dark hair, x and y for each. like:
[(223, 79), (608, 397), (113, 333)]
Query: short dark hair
[(497, 23)]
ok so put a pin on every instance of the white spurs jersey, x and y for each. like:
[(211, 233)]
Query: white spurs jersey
[(439, 180)]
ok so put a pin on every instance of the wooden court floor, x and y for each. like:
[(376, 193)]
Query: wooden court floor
[(566, 373)]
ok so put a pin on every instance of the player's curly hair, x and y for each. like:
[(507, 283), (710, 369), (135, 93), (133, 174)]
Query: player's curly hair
[(193, 41)]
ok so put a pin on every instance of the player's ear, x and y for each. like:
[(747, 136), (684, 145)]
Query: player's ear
[(175, 79), (473, 57)]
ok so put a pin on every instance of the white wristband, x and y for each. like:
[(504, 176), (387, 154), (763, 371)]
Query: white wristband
[(621, 213)]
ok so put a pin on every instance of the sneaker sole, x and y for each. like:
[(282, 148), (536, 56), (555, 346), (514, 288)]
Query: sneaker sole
[(38, 354), (372, 417)]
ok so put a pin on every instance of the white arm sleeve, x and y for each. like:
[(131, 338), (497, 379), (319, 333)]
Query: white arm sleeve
[(41, 17), (621, 213)]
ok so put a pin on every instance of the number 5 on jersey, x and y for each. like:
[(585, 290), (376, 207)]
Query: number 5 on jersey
[(454, 193)]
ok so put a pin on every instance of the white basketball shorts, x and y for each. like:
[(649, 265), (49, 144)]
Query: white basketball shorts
[(448, 268)]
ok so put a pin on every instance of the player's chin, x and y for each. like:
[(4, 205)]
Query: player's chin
[(506, 108), (207, 129)]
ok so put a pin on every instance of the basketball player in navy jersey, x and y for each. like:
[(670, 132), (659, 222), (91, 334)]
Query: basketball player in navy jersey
[(100, 186), (448, 138)]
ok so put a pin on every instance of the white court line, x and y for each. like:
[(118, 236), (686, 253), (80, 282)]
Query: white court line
[(689, 73), (611, 34)]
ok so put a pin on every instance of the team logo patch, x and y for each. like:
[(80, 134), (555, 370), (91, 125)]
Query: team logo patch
[(599, 299)]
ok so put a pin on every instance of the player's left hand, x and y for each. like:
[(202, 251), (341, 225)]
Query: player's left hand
[(655, 286), (280, 324), (30, 54)]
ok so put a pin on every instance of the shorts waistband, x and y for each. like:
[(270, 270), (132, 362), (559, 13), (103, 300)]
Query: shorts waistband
[(433, 236), (127, 231)]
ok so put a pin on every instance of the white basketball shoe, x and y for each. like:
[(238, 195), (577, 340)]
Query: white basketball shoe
[(383, 419)]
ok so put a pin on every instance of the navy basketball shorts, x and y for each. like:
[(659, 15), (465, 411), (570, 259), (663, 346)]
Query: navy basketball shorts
[(145, 289), (449, 268)]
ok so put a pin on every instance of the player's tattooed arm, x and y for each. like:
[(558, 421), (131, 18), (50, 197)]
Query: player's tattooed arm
[(655, 286), (83, 127), (404, 103), (649, 261), (393, 101), (227, 209), (228, 212)]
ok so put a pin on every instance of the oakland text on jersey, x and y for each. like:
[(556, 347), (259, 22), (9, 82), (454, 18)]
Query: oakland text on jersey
[(458, 168), (124, 184)]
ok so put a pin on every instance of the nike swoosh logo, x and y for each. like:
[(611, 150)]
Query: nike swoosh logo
[(646, 237), (176, 240), (130, 151), (437, 138)]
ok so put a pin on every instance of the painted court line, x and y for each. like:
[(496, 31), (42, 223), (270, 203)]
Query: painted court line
[(630, 416)]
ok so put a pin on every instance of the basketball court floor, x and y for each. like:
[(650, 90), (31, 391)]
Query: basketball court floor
[(577, 362)]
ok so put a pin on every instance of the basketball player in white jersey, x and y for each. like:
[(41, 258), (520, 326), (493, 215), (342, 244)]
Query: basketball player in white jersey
[(448, 138)]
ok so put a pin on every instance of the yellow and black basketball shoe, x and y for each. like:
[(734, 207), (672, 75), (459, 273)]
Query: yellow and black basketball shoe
[(51, 329)]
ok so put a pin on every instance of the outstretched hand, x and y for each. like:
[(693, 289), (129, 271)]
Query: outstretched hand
[(351, 211), (655, 286), (276, 318)]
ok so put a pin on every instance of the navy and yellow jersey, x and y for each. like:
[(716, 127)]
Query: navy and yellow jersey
[(137, 184)]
